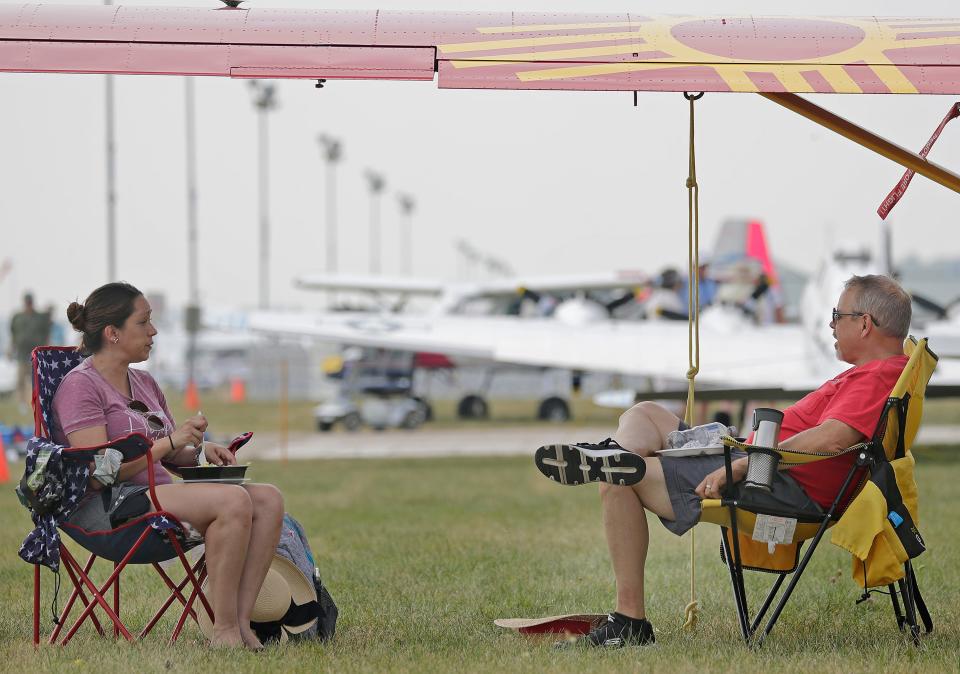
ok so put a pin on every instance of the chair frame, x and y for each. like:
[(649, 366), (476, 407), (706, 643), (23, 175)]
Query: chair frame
[(868, 454), (80, 575)]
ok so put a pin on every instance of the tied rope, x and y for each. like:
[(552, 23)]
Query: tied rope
[(692, 610)]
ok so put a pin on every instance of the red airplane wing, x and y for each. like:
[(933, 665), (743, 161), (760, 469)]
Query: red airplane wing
[(492, 50)]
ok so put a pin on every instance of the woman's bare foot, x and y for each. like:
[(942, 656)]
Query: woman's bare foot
[(226, 638), (250, 639)]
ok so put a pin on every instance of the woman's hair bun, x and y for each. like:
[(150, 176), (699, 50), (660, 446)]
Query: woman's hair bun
[(77, 315)]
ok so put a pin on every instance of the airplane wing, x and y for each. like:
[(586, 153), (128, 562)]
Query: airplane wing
[(492, 50), (371, 284), (766, 356), (493, 288)]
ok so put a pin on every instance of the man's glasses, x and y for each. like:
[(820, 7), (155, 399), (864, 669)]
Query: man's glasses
[(838, 314), (155, 422)]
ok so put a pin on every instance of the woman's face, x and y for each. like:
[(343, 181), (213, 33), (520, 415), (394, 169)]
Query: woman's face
[(136, 334)]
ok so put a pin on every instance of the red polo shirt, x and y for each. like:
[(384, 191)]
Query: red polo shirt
[(856, 397)]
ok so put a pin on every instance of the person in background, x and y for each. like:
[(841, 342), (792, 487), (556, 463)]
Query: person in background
[(29, 329)]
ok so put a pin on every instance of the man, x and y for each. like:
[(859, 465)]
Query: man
[(28, 329), (869, 324)]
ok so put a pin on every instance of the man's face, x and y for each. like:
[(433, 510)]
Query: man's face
[(847, 328)]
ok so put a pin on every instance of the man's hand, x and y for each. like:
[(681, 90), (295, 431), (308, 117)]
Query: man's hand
[(713, 483)]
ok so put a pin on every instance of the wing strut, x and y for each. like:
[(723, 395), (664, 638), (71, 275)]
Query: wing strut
[(867, 139)]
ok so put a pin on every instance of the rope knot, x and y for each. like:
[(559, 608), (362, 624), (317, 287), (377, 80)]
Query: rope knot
[(690, 615), (693, 372), (691, 182)]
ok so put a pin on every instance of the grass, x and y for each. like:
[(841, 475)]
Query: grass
[(422, 555)]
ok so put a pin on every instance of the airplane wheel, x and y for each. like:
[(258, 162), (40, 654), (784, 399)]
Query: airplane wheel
[(555, 410), (352, 421), (472, 407), (413, 419), (324, 426)]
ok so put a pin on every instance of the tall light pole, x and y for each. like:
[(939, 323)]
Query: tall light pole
[(192, 318), (376, 182), (407, 205), (264, 101), (111, 177), (332, 151)]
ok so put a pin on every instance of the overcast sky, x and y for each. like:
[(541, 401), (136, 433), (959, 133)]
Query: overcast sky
[(550, 182)]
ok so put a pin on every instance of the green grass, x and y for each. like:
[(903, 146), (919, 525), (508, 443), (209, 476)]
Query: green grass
[(422, 555)]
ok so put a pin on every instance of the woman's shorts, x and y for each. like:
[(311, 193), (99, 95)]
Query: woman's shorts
[(682, 475), (94, 511)]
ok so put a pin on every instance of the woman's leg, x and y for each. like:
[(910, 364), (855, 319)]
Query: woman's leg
[(223, 514), (264, 535)]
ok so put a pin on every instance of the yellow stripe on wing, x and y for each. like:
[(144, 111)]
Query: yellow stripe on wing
[(555, 55), (489, 45), (554, 26)]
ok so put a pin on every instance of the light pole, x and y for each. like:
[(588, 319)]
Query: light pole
[(111, 177), (332, 151), (376, 182), (264, 101), (407, 205), (192, 317)]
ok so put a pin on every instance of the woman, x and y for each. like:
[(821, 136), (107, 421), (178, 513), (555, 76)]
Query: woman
[(104, 398)]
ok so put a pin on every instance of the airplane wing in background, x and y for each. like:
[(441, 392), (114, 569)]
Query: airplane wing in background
[(767, 356), (497, 50)]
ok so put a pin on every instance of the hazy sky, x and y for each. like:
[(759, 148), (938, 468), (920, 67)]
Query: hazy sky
[(550, 182)]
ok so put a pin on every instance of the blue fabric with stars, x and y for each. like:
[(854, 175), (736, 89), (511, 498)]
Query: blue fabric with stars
[(71, 466)]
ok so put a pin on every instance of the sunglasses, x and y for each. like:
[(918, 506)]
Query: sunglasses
[(155, 422), (838, 314)]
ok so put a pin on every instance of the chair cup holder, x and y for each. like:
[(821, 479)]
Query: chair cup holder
[(761, 467)]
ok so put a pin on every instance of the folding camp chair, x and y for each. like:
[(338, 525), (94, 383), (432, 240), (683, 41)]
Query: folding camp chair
[(878, 525), (149, 539)]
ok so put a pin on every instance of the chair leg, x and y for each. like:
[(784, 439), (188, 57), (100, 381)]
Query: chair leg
[(116, 602), (36, 604), (909, 605), (736, 582), (74, 571), (901, 621)]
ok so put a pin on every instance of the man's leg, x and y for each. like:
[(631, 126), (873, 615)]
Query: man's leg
[(644, 427), (643, 430)]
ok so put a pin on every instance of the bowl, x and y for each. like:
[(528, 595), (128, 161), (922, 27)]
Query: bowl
[(204, 473)]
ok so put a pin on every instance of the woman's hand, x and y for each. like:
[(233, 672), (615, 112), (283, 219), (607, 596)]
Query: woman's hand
[(218, 455), (190, 432), (713, 483)]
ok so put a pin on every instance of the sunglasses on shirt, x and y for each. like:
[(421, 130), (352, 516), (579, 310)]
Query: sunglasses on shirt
[(153, 421)]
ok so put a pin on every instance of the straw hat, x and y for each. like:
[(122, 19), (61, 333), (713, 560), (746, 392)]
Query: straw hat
[(286, 597)]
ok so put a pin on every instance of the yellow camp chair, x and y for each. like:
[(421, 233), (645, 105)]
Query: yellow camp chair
[(879, 526)]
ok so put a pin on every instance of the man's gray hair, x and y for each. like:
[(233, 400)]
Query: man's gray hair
[(885, 300)]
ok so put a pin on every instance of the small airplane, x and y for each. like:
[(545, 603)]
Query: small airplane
[(502, 296)]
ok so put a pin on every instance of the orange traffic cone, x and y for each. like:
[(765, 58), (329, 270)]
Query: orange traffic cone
[(191, 400), (4, 469), (238, 390)]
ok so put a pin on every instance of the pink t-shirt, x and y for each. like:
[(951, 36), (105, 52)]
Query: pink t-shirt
[(85, 399)]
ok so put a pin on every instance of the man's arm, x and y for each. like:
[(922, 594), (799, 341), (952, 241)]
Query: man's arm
[(831, 436)]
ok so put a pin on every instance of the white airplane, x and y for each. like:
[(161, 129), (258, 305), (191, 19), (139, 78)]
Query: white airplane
[(734, 354), (495, 295)]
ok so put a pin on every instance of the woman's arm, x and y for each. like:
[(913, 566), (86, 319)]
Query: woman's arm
[(97, 435)]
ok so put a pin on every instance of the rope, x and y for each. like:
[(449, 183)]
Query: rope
[(692, 610)]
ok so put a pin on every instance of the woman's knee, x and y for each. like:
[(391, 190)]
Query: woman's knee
[(266, 497), (235, 503)]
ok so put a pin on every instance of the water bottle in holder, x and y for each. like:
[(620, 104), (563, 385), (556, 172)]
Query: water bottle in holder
[(762, 463)]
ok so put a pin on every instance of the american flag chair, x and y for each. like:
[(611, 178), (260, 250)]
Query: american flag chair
[(149, 539)]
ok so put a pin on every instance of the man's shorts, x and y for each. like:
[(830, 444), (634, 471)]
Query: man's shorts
[(682, 475)]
